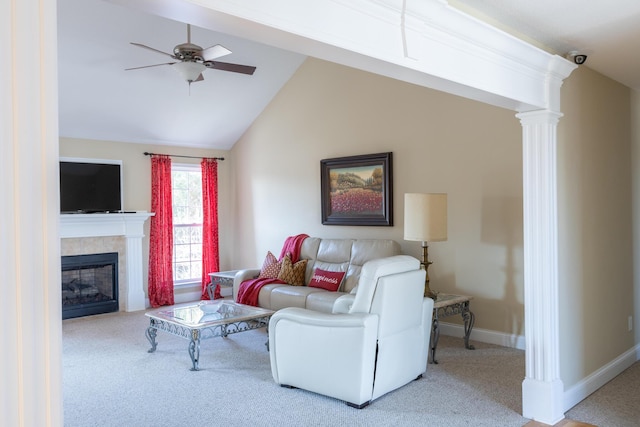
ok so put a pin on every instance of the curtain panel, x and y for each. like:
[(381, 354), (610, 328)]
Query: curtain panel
[(161, 233), (210, 254)]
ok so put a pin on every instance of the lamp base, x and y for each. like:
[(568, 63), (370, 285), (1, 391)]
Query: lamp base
[(425, 264), (428, 293)]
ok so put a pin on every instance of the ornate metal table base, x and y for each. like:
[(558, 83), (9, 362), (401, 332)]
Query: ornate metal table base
[(200, 331), (222, 278), (449, 305)]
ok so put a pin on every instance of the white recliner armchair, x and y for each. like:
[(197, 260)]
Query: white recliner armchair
[(378, 344)]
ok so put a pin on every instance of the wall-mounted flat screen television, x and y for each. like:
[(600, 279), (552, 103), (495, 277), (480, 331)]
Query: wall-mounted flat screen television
[(90, 186)]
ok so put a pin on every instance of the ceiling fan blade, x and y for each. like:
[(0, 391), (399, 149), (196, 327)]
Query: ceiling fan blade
[(149, 66), (199, 79), (214, 52), (155, 50), (235, 68)]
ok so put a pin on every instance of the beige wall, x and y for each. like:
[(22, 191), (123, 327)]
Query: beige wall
[(594, 223), (440, 143), (137, 180)]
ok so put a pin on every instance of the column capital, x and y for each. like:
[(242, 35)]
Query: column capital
[(539, 117)]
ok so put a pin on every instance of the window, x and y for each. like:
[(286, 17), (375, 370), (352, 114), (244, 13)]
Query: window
[(186, 188)]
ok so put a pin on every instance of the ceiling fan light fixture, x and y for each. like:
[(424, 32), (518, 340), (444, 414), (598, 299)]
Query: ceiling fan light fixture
[(189, 70)]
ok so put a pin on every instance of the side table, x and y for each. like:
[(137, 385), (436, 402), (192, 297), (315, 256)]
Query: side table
[(449, 305), (222, 278)]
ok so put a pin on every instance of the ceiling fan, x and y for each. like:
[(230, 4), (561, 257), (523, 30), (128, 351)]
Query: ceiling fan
[(191, 60)]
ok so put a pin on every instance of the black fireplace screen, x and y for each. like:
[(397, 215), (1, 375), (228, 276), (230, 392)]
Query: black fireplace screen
[(89, 284)]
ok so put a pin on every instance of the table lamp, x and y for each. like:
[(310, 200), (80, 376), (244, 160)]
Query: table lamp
[(425, 220)]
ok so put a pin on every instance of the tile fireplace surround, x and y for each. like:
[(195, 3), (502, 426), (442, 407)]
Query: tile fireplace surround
[(83, 233)]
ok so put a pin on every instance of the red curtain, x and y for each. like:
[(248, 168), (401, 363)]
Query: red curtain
[(161, 233), (210, 255)]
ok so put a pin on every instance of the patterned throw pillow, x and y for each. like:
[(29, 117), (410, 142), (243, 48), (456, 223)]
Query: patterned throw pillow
[(270, 267), (329, 280), (293, 274)]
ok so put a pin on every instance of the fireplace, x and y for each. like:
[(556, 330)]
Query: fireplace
[(89, 284), (96, 233)]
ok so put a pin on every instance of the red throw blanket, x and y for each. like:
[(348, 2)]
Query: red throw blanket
[(250, 289), (293, 245)]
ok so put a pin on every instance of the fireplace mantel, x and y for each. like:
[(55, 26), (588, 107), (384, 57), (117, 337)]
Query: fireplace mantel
[(103, 224), (129, 225)]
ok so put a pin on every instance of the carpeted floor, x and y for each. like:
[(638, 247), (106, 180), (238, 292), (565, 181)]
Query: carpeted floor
[(109, 379)]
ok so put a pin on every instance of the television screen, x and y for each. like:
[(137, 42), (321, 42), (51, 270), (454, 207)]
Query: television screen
[(90, 187)]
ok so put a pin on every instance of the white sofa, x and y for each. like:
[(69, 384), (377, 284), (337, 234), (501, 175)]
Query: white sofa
[(345, 255), (378, 344)]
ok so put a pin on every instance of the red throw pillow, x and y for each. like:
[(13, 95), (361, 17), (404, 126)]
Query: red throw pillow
[(270, 267), (329, 280)]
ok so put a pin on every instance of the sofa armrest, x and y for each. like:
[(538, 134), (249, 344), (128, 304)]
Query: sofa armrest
[(241, 276), (343, 304), (304, 316)]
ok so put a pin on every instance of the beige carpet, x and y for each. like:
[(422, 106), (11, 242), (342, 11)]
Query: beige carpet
[(109, 379)]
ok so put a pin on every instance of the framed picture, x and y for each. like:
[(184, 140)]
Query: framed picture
[(357, 190)]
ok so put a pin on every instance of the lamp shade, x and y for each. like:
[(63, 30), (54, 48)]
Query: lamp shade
[(425, 217), (189, 70)]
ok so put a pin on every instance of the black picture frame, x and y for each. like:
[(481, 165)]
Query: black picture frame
[(357, 190)]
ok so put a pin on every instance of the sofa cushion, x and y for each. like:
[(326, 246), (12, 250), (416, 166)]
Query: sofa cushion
[(329, 280), (264, 297), (291, 296), (270, 267), (323, 301), (293, 274)]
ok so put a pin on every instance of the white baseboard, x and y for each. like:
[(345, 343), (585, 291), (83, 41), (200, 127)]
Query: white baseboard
[(573, 395), (484, 335), (593, 382)]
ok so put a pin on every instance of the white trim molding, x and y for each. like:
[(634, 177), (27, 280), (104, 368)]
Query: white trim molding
[(597, 379), (424, 42), (484, 335)]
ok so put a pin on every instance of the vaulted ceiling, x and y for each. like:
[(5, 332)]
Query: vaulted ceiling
[(100, 100)]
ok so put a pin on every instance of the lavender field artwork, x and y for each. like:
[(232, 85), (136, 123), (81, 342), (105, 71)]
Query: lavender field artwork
[(357, 190)]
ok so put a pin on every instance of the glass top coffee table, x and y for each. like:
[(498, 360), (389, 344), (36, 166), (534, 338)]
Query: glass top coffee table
[(203, 320)]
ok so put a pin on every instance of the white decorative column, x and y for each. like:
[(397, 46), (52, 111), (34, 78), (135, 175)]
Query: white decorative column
[(30, 308), (135, 287), (129, 225), (542, 388)]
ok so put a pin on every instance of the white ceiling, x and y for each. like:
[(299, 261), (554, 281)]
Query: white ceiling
[(99, 100)]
